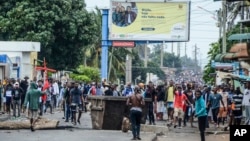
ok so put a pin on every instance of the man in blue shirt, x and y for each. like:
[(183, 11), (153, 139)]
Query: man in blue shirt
[(214, 102)]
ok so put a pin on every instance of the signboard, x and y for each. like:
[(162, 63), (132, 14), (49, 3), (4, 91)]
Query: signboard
[(123, 44), (151, 20), (218, 65)]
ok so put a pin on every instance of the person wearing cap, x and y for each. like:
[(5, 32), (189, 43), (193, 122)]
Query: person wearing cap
[(17, 93)]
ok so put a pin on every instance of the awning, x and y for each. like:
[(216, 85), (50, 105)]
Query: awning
[(223, 75), (243, 36), (239, 77), (226, 57), (239, 47)]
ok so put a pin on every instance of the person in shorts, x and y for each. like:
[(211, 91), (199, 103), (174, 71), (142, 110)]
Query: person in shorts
[(170, 90), (179, 101), (32, 97), (76, 98)]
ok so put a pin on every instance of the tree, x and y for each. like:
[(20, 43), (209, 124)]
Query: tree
[(63, 27), (139, 70), (169, 59), (86, 74), (92, 53), (215, 49)]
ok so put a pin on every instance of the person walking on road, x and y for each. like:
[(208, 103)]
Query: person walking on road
[(32, 97), (237, 106), (246, 103), (136, 101), (214, 102), (17, 93), (179, 101), (8, 96), (67, 101), (76, 98), (170, 90), (201, 113), (151, 93)]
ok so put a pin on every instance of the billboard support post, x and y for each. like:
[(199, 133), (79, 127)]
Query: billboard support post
[(104, 57)]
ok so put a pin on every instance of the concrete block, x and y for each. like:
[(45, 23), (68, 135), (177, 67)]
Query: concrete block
[(159, 130)]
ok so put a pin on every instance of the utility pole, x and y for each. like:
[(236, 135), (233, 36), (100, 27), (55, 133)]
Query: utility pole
[(242, 17), (146, 55), (219, 24), (224, 21), (185, 49), (178, 48), (172, 48), (129, 67), (195, 58), (162, 51)]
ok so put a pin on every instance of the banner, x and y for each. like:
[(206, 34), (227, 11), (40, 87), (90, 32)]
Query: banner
[(149, 21)]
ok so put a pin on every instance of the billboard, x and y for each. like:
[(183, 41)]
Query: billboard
[(149, 20)]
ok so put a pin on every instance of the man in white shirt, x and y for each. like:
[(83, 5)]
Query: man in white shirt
[(55, 93), (246, 103)]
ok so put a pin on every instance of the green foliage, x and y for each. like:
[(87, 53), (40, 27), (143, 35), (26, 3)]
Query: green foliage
[(215, 49), (138, 68), (80, 77), (117, 58), (169, 59), (63, 27), (86, 74), (208, 70)]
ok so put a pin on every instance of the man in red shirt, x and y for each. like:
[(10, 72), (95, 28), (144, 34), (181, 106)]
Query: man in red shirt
[(180, 100)]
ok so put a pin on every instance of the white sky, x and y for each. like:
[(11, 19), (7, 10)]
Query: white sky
[(203, 29)]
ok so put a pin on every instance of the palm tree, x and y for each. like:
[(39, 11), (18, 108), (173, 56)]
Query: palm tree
[(116, 56)]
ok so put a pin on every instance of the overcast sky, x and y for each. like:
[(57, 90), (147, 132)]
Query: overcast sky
[(203, 30)]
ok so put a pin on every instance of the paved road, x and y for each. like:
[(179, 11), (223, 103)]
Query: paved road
[(85, 132), (79, 132), (68, 135)]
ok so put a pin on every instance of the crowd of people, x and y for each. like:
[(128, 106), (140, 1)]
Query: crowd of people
[(181, 102), (220, 106)]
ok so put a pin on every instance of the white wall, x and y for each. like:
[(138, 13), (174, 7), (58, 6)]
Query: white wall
[(23, 50), (13, 46)]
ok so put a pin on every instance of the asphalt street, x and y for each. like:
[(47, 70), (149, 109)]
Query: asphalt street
[(84, 132)]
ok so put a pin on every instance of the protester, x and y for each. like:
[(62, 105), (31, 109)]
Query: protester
[(17, 93), (76, 99), (136, 101), (160, 101), (8, 96), (179, 101), (223, 110), (214, 102), (246, 103), (237, 106), (151, 93), (201, 113), (67, 101), (170, 100), (32, 97)]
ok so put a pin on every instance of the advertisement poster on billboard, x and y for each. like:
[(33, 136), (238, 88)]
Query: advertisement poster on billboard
[(149, 20)]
